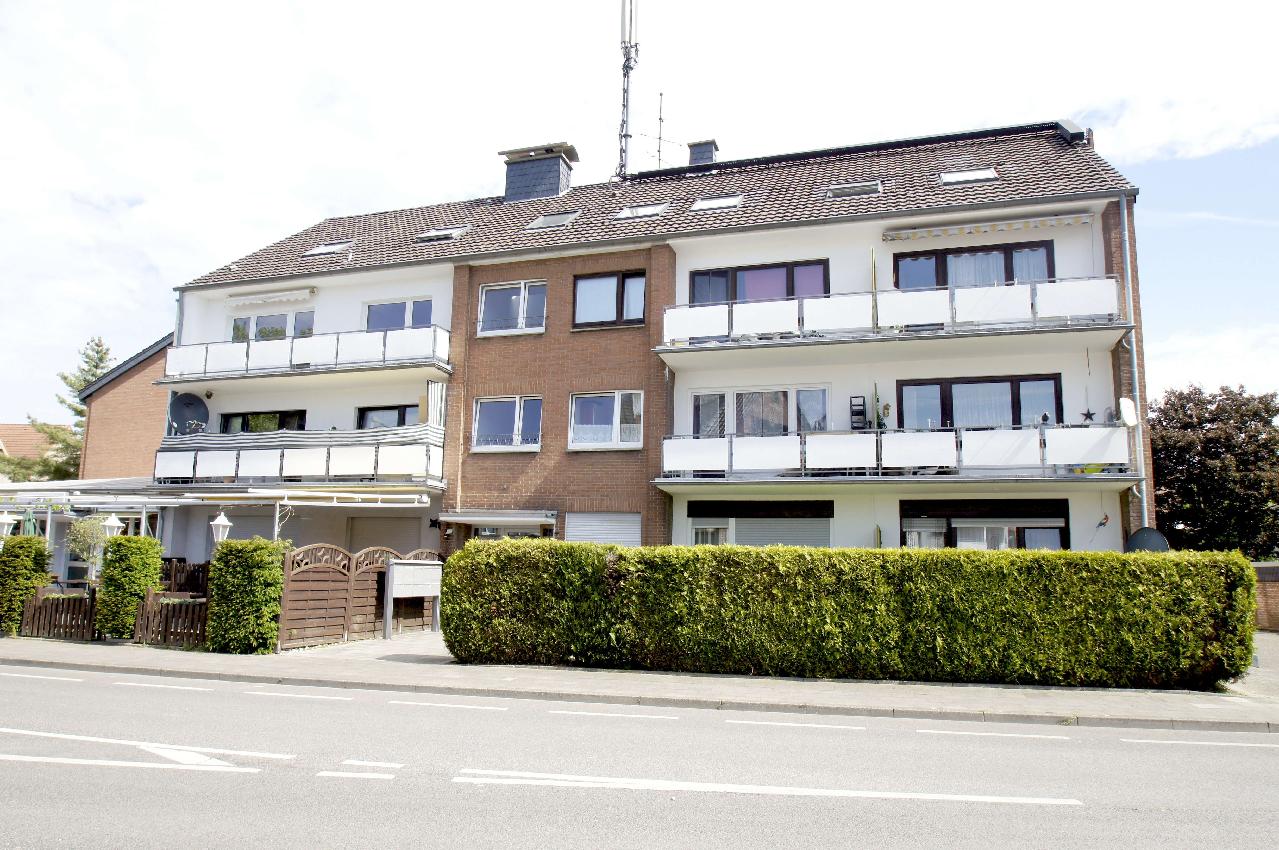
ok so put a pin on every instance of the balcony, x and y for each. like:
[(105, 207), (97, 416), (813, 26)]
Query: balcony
[(1048, 452), (353, 350), (893, 313), (413, 453)]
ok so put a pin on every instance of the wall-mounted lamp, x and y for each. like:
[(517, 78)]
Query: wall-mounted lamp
[(221, 528), (112, 526)]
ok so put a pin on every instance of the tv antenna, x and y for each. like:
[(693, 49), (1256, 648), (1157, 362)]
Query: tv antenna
[(661, 102), (630, 58)]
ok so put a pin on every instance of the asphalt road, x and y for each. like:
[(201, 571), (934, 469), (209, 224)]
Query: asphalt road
[(104, 760)]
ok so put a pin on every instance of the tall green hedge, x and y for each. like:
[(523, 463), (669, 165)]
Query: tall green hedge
[(246, 578), (130, 567), (24, 568), (1182, 620)]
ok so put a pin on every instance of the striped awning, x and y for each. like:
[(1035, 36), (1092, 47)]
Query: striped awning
[(1011, 226)]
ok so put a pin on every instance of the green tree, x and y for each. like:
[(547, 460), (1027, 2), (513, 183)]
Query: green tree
[(62, 460), (1216, 465)]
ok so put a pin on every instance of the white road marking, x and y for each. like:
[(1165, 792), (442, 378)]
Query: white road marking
[(448, 705), (94, 740), (343, 774), (147, 765), (613, 714), (155, 685), (184, 756), (559, 780), (780, 723), (992, 734), (296, 696), (357, 763), (1197, 743), (34, 676)]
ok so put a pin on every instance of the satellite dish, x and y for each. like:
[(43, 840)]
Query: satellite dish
[(188, 414), (1146, 539), (1127, 412)]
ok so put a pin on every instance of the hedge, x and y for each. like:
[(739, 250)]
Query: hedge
[(130, 567), (1174, 620), (246, 578), (24, 568)]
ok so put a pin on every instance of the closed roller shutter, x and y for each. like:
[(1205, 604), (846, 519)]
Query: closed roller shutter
[(792, 532), (622, 529)]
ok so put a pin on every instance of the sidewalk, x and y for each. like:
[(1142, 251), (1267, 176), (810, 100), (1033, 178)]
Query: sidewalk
[(421, 663)]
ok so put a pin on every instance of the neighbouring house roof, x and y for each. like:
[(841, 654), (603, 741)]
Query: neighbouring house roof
[(121, 368), (1046, 161), (21, 440)]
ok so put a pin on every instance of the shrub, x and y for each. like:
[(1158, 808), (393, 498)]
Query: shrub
[(86, 537), (1061, 618), (24, 568), (130, 567), (246, 578)]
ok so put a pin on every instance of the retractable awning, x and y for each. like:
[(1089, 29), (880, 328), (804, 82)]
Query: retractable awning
[(1014, 225), (500, 518)]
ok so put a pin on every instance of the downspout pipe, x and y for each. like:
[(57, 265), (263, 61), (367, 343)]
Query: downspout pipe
[(1134, 361)]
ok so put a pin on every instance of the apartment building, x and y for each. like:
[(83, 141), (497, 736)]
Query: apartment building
[(926, 342)]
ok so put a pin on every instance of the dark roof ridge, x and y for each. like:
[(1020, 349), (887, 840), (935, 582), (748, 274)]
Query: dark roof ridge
[(125, 365)]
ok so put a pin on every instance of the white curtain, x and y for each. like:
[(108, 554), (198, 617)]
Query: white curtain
[(982, 405), (1030, 264), (977, 269)]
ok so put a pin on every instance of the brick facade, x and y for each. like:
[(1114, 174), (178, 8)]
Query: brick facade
[(555, 364), (126, 419)]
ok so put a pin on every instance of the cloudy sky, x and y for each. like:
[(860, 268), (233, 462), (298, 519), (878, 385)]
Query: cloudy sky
[(145, 143)]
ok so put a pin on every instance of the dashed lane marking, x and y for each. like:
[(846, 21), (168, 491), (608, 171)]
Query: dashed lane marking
[(146, 765), (1197, 743), (387, 764), (96, 740), (34, 676), (613, 714), (992, 734), (346, 774), (782, 723), (448, 705), (157, 685), (297, 696)]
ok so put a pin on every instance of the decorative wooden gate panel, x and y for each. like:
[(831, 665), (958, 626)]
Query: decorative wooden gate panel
[(51, 614)]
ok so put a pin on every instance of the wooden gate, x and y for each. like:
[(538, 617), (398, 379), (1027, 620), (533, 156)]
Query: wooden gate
[(55, 614), (171, 619)]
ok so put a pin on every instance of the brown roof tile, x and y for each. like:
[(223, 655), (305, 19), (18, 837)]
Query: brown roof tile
[(21, 440)]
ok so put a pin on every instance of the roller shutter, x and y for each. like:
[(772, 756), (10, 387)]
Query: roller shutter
[(623, 529), (791, 532)]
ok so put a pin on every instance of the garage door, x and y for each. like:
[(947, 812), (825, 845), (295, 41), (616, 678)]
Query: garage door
[(790, 531), (623, 529)]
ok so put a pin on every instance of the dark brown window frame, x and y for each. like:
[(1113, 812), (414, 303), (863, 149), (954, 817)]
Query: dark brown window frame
[(620, 293), (733, 271), (942, 253), (401, 413), (301, 415), (951, 509), (947, 401)]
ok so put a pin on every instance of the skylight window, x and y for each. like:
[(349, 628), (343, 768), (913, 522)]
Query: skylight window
[(973, 175), (642, 211), (330, 248), (853, 190), (440, 234), (720, 202), (552, 220)]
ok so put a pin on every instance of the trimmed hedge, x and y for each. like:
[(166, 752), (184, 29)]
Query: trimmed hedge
[(246, 578), (130, 567), (24, 568), (1176, 620)]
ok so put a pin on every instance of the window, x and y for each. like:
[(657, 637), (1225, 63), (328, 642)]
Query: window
[(810, 407), (708, 414), (330, 248), (304, 323), (853, 190), (710, 532), (385, 317), (513, 308), (440, 234), (240, 329), (985, 524), (988, 265), (258, 423), (274, 326), (386, 417), (508, 423), (979, 402), (552, 220), (611, 299), (421, 313), (719, 202), (762, 414), (972, 175), (606, 420), (754, 283), (642, 211)]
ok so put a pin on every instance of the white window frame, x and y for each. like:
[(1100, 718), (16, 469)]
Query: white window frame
[(792, 405), (983, 174), (337, 246), (520, 329), (539, 223), (727, 523), (290, 329), (615, 444), (643, 211), (710, 203), (408, 301), (516, 445)]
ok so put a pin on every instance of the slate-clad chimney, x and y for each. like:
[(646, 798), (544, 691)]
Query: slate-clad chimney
[(700, 153), (541, 171)]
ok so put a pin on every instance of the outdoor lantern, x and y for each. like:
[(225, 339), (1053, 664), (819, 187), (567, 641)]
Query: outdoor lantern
[(7, 522), (221, 527), (112, 526)]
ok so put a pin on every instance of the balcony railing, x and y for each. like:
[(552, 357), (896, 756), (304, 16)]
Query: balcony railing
[(412, 453), (1033, 451), (1040, 304), (350, 350)]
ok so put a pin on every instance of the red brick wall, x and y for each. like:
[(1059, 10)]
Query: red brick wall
[(125, 422), (1268, 605), (555, 364)]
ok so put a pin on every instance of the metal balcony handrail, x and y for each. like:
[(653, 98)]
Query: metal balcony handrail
[(400, 435), (943, 429), (425, 472)]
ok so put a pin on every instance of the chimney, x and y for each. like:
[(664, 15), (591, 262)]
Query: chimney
[(701, 153), (541, 171)]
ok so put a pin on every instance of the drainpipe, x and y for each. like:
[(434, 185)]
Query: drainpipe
[(1133, 360)]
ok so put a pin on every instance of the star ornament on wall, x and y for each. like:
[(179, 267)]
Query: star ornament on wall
[(1089, 415)]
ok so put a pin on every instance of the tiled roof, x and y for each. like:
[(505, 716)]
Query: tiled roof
[(21, 440), (1035, 161)]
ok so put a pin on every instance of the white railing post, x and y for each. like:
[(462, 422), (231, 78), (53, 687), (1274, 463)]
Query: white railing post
[(959, 448), (729, 465), (1034, 303), (953, 315)]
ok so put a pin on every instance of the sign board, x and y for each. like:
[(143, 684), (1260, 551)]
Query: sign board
[(415, 578)]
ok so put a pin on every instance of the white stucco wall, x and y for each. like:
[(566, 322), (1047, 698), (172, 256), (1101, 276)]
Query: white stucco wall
[(328, 403)]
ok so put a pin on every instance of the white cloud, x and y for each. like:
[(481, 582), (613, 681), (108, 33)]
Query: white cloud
[(147, 143), (1222, 356)]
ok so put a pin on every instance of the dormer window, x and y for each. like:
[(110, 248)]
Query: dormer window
[(853, 190), (330, 248), (972, 175), (440, 234), (551, 221), (642, 211), (718, 202)]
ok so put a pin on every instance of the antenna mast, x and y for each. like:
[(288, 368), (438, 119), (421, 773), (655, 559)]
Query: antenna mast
[(661, 101), (630, 58)]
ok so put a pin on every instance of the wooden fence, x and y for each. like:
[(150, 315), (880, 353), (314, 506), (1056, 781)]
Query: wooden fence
[(171, 619), (54, 613), (180, 577)]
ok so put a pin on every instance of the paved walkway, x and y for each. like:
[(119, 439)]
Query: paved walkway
[(420, 662)]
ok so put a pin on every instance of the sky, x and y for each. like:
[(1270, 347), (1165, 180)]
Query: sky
[(145, 143)]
